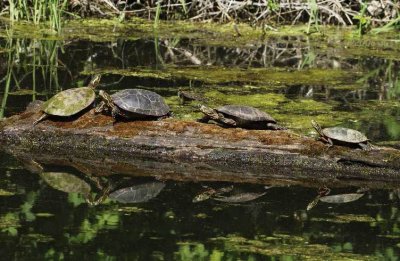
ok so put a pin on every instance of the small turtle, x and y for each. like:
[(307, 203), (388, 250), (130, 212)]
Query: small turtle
[(342, 136), (134, 104), (240, 116), (186, 96), (70, 102)]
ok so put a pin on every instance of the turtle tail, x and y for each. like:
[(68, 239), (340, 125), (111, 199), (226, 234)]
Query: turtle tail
[(43, 117)]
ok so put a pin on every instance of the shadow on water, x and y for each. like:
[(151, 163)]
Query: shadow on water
[(63, 211)]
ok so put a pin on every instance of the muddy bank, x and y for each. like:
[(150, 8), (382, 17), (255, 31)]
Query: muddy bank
[(189, 150)]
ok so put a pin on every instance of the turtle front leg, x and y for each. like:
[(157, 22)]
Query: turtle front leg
[(326, 140), (115, 112), (100, 108), (330, 142), (226, 121)]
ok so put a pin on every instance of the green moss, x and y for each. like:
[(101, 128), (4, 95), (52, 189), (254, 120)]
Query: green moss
[(347, 218), (132, 210)]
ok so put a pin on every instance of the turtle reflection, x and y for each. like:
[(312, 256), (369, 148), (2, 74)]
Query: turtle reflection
[(66, 182), (137, 193), (219, 194), (334, 199), (70, 183)]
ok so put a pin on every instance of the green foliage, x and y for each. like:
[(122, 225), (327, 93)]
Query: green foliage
[(273, 5), (192, 251), (38, 11), (364, 21)]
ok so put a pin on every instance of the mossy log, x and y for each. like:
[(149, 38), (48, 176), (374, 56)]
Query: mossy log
[(188, 150)]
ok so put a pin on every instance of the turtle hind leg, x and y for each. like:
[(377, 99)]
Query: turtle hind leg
[(43, 117), (274, 126), (365, 146)]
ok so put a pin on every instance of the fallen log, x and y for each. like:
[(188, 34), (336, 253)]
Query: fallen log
[(188, 150)]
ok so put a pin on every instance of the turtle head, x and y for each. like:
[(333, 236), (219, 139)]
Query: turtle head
[(95, 81), (316, 126), (206, 110), (104, 95)]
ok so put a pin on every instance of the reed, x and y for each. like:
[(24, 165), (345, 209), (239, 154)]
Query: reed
[(31, 63), (313, 19), (157, 17)]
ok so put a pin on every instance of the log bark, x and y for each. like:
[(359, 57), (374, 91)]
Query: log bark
[(188, 150)]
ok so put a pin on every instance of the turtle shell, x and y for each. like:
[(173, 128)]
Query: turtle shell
[(69, 102), (246, 113), (344, 135), (141, 101)]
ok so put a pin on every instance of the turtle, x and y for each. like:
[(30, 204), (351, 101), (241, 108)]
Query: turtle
[(134, 104), (342, 136), (187, 96), (240, 116), (70, 102)]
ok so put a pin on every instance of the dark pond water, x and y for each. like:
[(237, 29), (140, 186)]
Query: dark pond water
[(63, 213)]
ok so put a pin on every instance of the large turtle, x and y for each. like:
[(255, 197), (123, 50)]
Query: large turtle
[(134, 104), (342, 136), (70, 102), (240, 116)]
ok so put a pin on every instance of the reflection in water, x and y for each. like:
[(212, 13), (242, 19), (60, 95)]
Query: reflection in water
[(138, 193), (171, 226)]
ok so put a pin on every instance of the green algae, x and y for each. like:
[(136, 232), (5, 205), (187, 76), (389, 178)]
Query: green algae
[(37, 238), (221, 75), (285, 245), (6, 193), (127, 210), (346, 218)]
